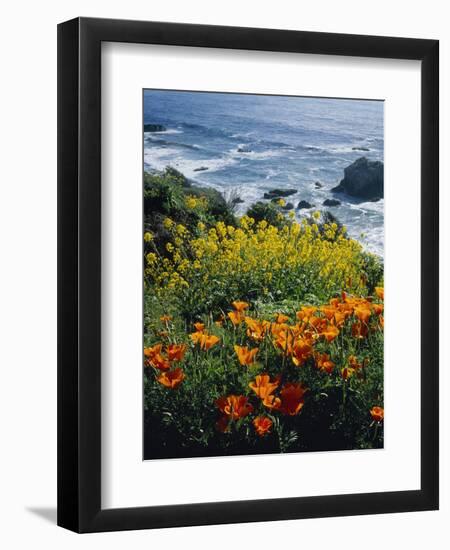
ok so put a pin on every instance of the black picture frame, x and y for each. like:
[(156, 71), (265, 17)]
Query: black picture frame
[(79, 274)]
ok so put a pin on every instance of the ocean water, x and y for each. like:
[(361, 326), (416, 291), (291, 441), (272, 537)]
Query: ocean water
[(290, 142)]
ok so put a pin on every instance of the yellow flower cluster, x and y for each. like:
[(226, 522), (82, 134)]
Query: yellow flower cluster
[(269, 256)]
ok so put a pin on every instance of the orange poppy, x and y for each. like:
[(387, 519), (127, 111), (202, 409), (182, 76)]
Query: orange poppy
[(199, 327), (175, 352), (208, 341), (292, 398), (381, 321), (379, 291), (159, 362), (354, 363), (347, 372), (262, 425), (363, 313), (328, 311), (152, 351), (205, 340), (305, 313), (301, 351), (236, 317), (324, 363), (378, 308), (246, 356), (285, 341), (377, 413), (256, 329), (281, 318), (165, 318), (172, 379), (240, 306), (359, 330), (262, 386), (234, 406), (272, 402), (330, 333)]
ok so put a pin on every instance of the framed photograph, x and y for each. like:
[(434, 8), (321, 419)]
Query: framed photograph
[(248, 275)]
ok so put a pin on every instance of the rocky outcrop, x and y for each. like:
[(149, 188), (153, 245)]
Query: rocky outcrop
[(201, 169), (363, 179), (304, 204), (277, 193), (154, 128), (331, 202), (244, 149)]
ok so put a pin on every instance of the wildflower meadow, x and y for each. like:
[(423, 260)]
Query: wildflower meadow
[(262, 333)]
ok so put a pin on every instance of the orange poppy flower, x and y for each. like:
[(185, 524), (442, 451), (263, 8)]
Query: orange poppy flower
[(377, 413), (305, 313), (240, 306), (262, 425), (354, 363), (246, 356), (363, 313), (281, 318), (175, 352), (236, 317), (328, 311), (262, 386), (292, 398), (256, 329), (199, 327), (152, 351), (381, 321), (165, 318), (234, 406), (334, 302), (172, 379), (206, 341), (330, 333), (379, 291), (359, 330), (272, 402), (347, 372), (159, 362), (378, 308), (324, 363), (285, 341), (301, 351)]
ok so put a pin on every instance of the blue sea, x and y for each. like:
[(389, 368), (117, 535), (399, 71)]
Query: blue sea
[(285, 142)]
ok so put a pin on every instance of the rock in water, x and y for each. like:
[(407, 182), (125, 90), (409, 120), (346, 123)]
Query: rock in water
[(244, 149), (318, 185), (201, 169), (277, 193), (360, 149), (154, 128), (331, 202), (363, 179), (304, 204)]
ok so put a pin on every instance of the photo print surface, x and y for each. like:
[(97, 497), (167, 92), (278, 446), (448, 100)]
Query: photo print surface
[(263, 284)]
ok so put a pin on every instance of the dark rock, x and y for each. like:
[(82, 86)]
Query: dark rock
[(244, 149), (360, 149), (318, 185), (237, 200), (304, 204), (331, 202), (154, 128), (363, 179), (201, 169), (277, 193), (288, 206)]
